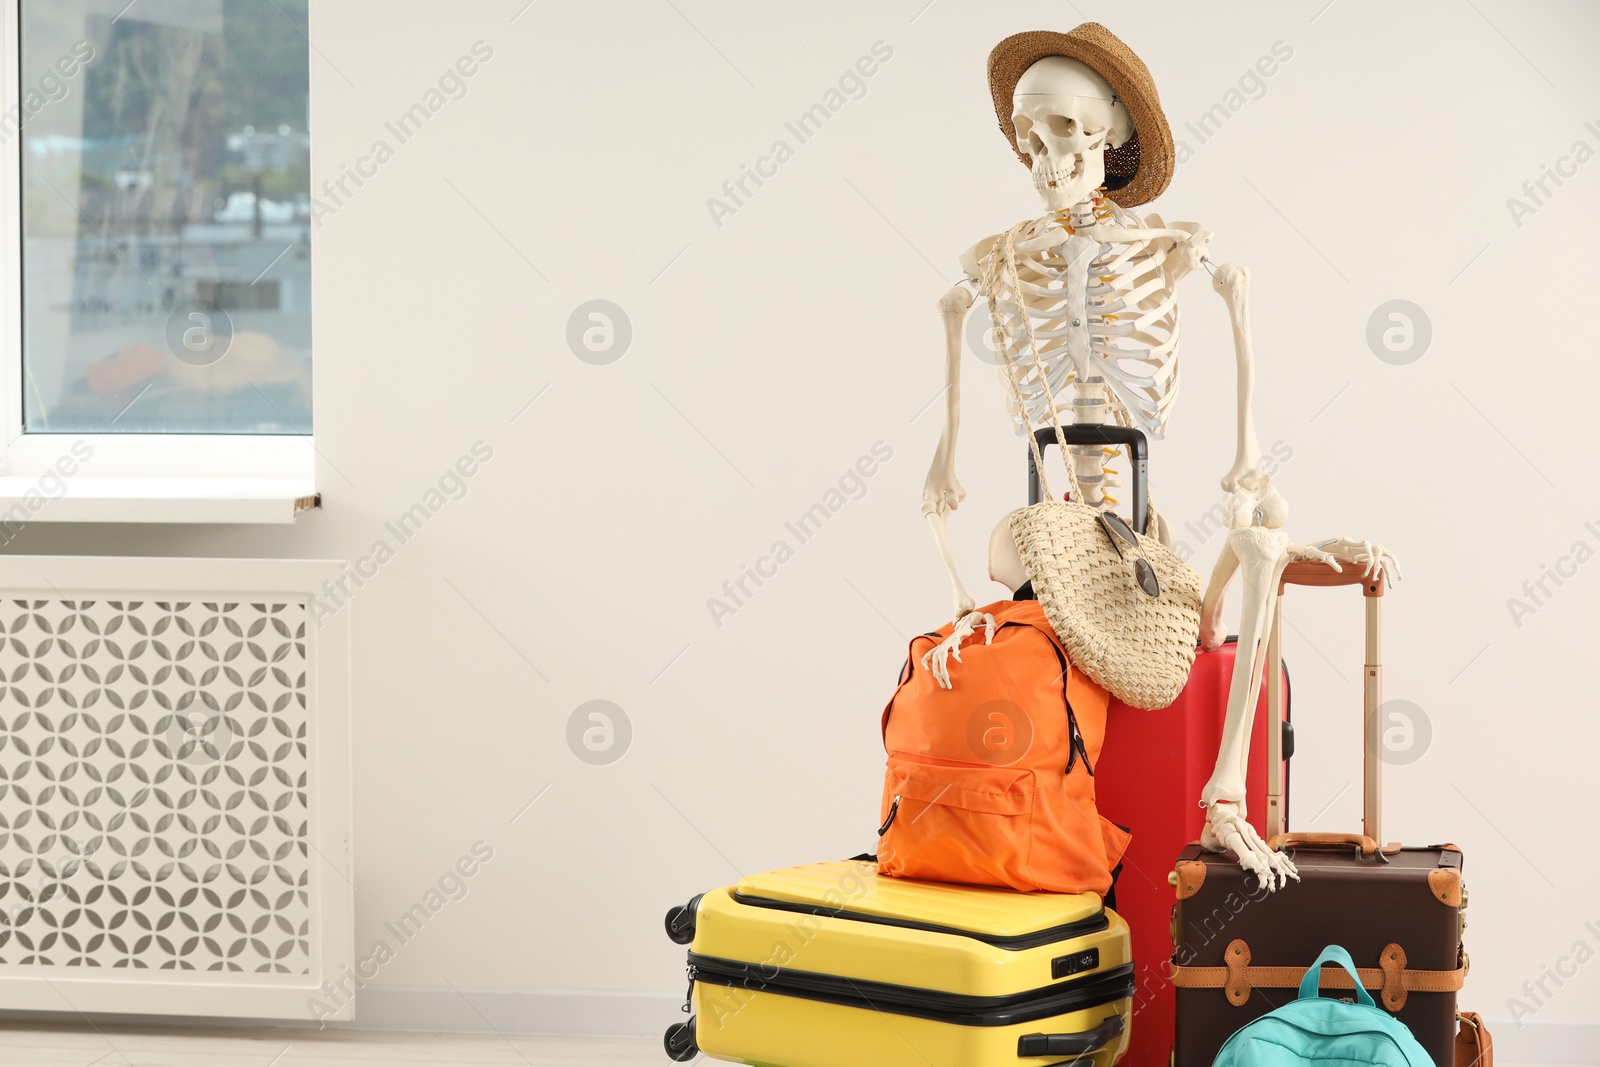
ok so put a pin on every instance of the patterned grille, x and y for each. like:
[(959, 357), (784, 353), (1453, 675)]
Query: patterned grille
[(153, 785)]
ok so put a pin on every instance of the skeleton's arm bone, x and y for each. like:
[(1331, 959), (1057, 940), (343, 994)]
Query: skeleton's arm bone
[(963, 600), (1261, 559), (1260, 554), (941, 492), (1212, 631), (1232, 282)]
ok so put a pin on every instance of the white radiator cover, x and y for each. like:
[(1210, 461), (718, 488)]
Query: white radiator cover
[(174, 786)]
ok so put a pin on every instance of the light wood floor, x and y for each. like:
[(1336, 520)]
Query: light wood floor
[(39, 1045), (42, 1045)]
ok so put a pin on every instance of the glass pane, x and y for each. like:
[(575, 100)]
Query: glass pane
[(166, 227)]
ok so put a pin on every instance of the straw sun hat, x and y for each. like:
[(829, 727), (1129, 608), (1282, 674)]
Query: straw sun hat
[(1138, 171)]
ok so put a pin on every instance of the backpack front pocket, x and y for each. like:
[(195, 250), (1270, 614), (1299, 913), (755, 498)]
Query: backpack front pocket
[(957, 823)]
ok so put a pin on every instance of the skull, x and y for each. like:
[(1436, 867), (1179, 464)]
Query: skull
[(1066, 116)]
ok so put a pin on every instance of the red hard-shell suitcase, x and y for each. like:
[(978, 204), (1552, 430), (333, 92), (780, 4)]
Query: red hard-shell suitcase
[(1151, 771), (1149, 778)]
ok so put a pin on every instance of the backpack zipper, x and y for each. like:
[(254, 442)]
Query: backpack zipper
[(1075, 745), (894, 809)]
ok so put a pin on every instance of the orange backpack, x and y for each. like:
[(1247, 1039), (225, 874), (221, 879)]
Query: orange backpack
[(992, 782)]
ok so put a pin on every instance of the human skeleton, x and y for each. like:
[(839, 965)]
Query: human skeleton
[(1097, 284)]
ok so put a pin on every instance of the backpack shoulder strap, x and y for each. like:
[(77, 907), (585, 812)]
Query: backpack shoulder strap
[(906, 672)]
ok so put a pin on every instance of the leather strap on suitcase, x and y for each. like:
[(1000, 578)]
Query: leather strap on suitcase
[(1474, 1046), (1392, 979)]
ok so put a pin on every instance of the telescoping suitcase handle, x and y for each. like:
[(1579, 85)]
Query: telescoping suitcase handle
[(1130, 436), (1369, 841)]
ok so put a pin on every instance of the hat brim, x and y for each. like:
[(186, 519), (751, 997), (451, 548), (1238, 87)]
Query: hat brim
[(1149, 156)]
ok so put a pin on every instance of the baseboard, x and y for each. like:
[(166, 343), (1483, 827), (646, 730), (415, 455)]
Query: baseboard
[(1545, 1044), (576, 1013), (515, 1011)]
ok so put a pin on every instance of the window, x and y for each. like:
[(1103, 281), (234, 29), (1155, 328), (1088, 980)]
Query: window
[(166, 217), (159, 157)]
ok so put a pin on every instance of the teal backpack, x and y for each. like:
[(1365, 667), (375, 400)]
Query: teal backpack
[(1317, 1029)]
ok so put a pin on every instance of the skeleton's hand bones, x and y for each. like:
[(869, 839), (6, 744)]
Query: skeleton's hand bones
[(939, 655), (1226, 828), (1375, 560), (1312, 554)]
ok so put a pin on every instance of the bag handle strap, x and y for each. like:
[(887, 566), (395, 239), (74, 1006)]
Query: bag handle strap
[(1364, 846), (1309, 985), (1474, 1045)]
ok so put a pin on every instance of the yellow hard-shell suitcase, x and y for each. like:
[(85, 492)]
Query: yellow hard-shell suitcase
[(830, 965)]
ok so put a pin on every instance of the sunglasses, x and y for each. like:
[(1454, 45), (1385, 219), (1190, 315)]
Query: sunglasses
[(1122, 539)]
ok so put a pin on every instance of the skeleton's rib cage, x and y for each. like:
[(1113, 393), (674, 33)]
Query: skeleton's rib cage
[(1104, 317)]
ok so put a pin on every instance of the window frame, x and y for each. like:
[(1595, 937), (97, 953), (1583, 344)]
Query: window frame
[(127, 471)]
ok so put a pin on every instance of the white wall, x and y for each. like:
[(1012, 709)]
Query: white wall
[(771, 351)]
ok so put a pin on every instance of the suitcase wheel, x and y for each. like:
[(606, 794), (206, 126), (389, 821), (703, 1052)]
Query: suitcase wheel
[(680, 922), (679, 1042)]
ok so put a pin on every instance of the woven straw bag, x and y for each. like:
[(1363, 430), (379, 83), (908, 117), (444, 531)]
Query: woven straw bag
[(1138, 647)]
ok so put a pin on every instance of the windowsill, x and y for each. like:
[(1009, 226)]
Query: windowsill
[(164, 500)]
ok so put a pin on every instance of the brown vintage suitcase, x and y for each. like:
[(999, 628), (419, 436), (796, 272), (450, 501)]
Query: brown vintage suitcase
[(1239, 951)]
